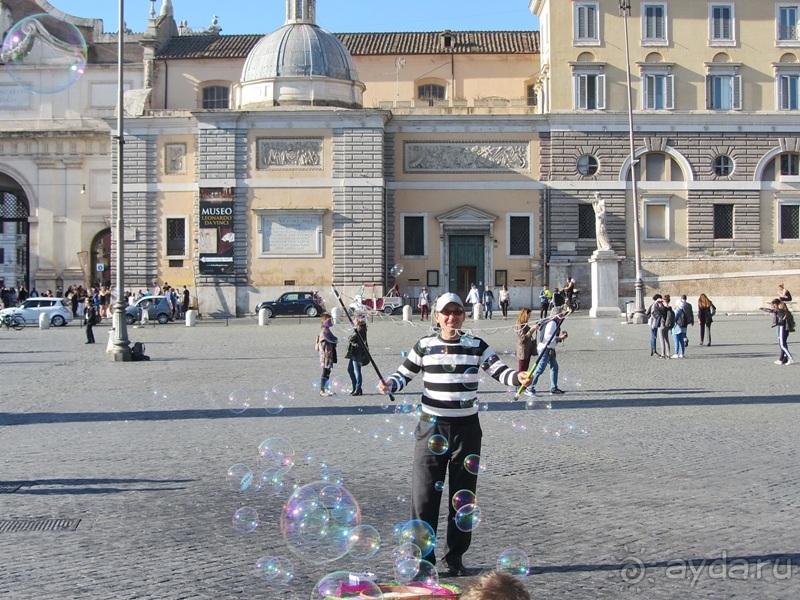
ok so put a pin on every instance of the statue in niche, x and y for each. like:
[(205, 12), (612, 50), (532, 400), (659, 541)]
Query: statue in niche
[(599, 204)]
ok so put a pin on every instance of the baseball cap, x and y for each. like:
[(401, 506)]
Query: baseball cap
[(446, 299)]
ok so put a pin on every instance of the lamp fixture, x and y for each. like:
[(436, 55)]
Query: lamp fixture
[(83, 190)]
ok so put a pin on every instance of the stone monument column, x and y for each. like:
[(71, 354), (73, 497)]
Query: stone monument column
[(605, 268)]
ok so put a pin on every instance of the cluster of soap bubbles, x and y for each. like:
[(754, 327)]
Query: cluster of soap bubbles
[(44, 54), (273, 400)]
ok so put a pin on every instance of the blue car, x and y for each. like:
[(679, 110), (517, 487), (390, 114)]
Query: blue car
[(292, 303)]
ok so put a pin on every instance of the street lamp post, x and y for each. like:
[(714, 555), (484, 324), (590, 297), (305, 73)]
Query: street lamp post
[(120, 350), (638, 307)]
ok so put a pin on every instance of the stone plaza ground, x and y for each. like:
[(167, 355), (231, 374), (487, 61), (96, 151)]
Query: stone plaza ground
[(647, 479)]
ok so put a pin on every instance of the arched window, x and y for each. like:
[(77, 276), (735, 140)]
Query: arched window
[(216, 96)]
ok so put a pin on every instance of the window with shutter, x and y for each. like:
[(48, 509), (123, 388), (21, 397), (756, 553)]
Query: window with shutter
[(654, 24), (721, 26), (788, 92), (787, 29), (586, 23)]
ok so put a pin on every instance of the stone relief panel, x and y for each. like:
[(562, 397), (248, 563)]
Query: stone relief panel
[(289, 153), (175, 159), (466, 157)]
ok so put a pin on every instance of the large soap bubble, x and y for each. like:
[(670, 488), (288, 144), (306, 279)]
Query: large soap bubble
[(317, 521), (44, 54)]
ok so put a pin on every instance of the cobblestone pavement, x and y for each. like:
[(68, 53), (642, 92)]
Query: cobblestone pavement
[(648, 479)]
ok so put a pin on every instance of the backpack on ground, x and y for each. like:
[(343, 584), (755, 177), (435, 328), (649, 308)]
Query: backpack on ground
[(137, 352), (789, 322)]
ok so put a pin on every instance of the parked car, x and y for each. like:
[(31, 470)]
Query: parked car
[(56, 309), (157, 307), (292, 303)]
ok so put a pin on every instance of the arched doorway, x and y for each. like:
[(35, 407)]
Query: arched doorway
[(99, 271), (15, 247)]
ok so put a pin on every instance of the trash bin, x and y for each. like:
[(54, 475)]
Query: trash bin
[(629, 310)]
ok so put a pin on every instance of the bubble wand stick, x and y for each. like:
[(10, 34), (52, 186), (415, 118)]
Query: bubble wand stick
[(546, 347), (360, 340)]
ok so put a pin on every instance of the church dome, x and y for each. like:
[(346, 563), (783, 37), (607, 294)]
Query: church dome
[(299, 50), (300, 64)]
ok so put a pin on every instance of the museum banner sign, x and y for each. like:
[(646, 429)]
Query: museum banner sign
[(217, 236)]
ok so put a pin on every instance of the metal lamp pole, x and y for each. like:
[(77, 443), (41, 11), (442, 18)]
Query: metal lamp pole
[(120, 351), (638, 307)]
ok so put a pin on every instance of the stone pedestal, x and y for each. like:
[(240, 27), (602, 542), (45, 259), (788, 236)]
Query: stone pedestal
[(605, 284)]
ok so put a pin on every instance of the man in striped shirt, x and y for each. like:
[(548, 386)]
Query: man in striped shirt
[(448, 431)]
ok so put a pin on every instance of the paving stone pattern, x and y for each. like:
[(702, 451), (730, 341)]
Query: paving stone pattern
[(685, 462)]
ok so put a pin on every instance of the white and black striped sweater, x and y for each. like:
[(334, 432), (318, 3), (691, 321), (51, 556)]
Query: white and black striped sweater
[(450, 373)]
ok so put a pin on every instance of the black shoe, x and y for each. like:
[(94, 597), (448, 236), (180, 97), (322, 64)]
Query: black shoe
[(456, 568), (357, 392), (555, 391)]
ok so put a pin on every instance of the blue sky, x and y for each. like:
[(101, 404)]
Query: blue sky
[(264, 16)]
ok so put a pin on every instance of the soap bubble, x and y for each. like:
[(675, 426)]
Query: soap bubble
[(239, 477), (332, 584), (462, 498), (438, 444), (274, 570), (471, 378), (44, 54), (473, 465), (405, 551), (396, 270), (238, 401), (341, 385), (245, 520), (439, 486), (363, 542), (514, 561), (276, 452), (417, 532), (276, 399), (317, 520), (468, 517)]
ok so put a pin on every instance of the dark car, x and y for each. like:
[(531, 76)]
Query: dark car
[(292, 303), (158, 309)]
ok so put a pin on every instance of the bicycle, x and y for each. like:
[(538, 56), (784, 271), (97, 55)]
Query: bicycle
[(13, 322)]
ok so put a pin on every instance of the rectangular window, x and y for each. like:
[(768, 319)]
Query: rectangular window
[(520, 235), (659, 92), (586, 222), (590, 91), (175, 236), (586, 23), (790, 165), (532, 96), (790, 221), (721, 26), (788, 92), (724, 92), (413, 235), (723, 221), (654, 23), (656, 220), (216, 96), (787, 22)]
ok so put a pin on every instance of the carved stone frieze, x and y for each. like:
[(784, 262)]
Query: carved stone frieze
[(294, 153), (466, 157)]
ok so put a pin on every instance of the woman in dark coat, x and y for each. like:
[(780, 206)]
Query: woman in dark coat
[(705, 313)]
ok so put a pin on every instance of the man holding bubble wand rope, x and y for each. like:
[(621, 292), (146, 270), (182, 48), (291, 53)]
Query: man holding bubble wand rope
[(359, 339), (558, 318), (448, 434)]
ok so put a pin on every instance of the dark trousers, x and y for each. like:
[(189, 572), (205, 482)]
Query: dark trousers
[(89, 333), (703, 326), (463, 440)]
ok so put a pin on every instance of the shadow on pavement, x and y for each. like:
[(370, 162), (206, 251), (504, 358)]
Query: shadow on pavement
[(668, 399)]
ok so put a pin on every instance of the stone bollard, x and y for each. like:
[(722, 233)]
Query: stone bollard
[(44, 321), (407, 313), (191, 318), (477, 312), (263, 319), (110, 345), (336, 314)]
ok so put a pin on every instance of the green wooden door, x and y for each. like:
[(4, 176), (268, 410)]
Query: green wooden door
[(466, 263)]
